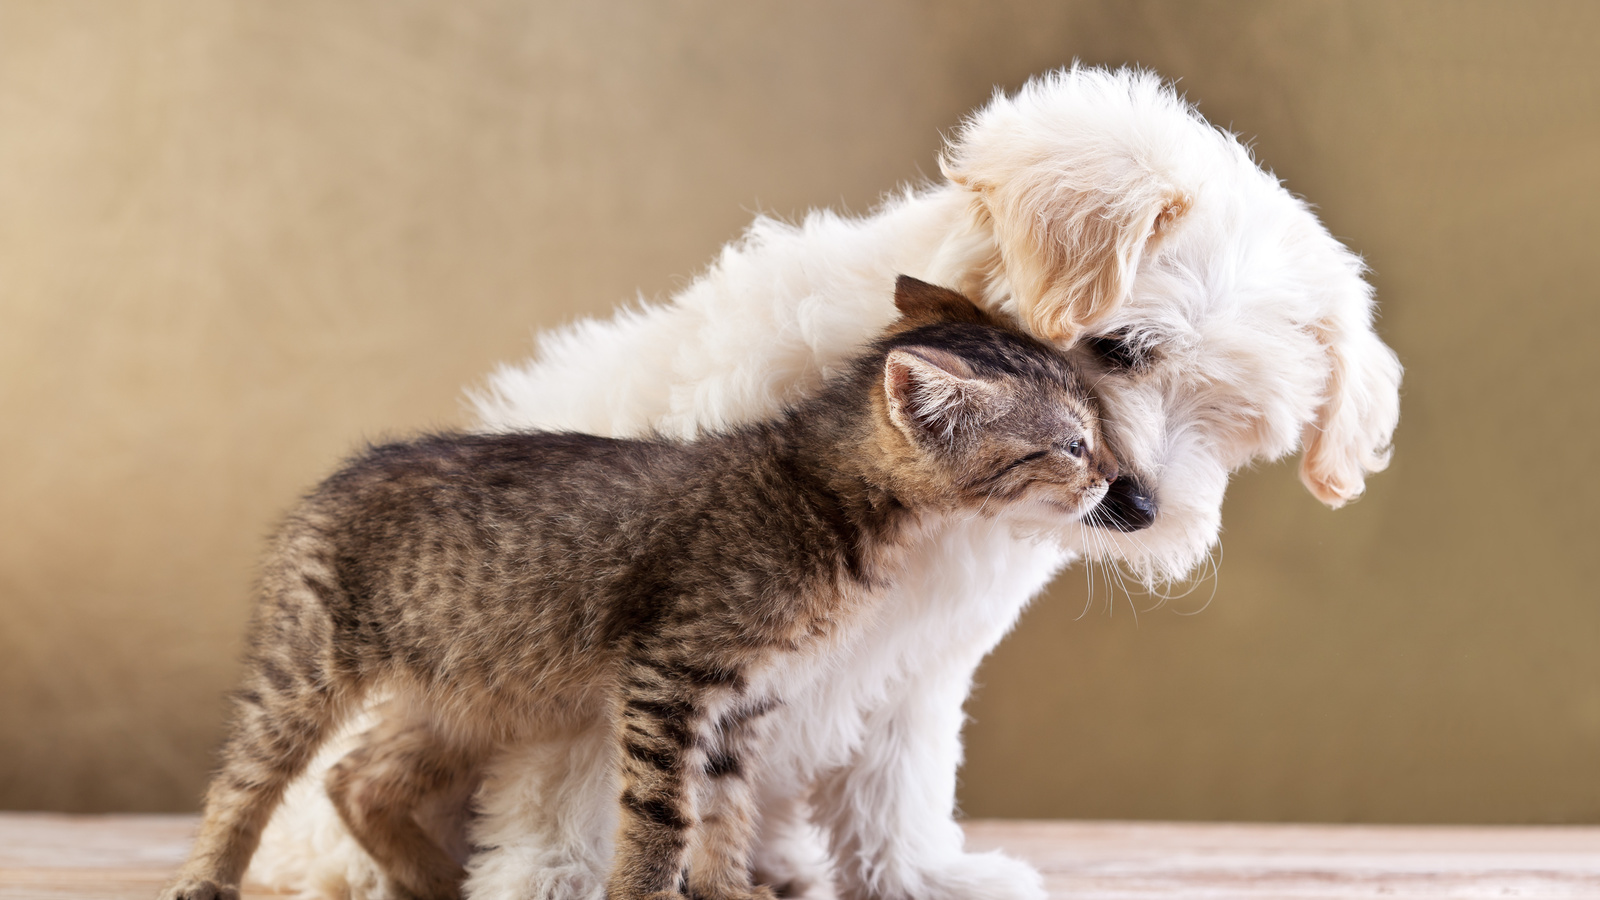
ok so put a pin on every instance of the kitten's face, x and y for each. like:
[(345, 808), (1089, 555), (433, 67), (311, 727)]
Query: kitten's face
[(997, 423)]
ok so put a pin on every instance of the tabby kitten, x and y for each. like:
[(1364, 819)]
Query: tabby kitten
[(501, 586)]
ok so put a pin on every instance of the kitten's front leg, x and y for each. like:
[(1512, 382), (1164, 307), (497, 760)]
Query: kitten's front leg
[(719, 856), (656, 727)]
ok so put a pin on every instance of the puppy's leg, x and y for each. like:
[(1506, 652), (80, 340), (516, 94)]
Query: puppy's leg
[(889, 810), (547, 814), (791, 853), (380, 787), (890, 813)]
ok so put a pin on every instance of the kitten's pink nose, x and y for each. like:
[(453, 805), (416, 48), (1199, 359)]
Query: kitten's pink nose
[(1107, 467)]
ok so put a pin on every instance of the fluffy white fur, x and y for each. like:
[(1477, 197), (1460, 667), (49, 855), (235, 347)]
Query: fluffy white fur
[(1091, 202)]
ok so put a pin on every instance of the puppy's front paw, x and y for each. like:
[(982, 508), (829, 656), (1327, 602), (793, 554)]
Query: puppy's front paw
[(757, 892), (200, 889), (984, 876)]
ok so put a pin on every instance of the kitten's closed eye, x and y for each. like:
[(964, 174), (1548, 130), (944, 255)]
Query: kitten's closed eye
[(1073, 448), (1024, 460)]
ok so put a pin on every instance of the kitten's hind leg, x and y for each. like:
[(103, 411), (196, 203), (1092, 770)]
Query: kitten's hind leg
[(282, 714), (381, 785)]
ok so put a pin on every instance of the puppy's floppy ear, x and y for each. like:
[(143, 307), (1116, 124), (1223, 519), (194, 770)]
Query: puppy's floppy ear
[(1349, 438), (921, 303), (1073, 189), (1070, 249), (932, 391)]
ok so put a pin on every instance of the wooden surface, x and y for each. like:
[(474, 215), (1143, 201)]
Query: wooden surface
[(117, 857)]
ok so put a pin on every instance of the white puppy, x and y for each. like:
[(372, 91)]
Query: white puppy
[(1220, 324)]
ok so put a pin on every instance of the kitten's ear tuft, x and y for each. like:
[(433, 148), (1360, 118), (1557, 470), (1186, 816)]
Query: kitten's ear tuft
[(933, 391), (921, 303)]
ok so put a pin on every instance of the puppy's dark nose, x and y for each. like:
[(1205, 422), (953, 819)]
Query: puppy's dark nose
[(1128, 506)]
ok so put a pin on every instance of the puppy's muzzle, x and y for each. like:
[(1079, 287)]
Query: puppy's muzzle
[(1129, 505)]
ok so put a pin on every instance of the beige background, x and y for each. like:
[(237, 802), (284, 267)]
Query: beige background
[(238, 238)]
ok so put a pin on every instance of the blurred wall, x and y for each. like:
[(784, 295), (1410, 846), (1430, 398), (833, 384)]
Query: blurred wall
[(237, 239)]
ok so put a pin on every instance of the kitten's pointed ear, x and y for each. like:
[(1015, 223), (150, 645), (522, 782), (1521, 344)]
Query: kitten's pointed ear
[(932, 391), (921, 303)]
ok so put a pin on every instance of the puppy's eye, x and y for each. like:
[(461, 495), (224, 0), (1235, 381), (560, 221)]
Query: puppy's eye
[(1115, 351)]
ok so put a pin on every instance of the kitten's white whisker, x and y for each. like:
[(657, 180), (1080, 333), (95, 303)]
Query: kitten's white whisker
[(1088, 570)]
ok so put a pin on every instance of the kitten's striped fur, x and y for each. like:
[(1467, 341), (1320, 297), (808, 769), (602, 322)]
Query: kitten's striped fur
[(499, 587)]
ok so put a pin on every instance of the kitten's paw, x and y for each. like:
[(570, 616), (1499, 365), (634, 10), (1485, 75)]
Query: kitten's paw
[(200, 889), (984, 876)]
